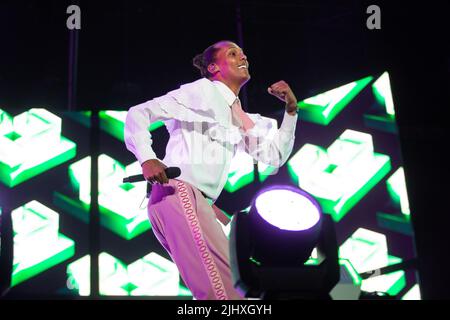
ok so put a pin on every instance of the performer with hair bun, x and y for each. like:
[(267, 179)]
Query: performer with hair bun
[(207, 126)]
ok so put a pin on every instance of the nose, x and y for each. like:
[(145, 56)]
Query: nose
[(243, 56)]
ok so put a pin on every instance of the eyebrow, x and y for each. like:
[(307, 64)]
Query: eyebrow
[(237, 48)]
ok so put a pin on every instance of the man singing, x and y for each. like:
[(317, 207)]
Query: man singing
[(207, 126)]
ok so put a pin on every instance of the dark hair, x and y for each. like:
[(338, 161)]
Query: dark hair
[(202, 60)]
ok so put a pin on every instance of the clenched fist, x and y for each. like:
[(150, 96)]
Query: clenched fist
[(282, 91)]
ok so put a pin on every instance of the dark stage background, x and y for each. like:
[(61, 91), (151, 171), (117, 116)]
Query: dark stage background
[(131, 51)]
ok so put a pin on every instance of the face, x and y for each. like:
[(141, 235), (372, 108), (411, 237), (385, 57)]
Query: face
[(231, 64)]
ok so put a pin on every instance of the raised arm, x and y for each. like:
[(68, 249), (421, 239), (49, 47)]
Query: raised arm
[(264, 142)]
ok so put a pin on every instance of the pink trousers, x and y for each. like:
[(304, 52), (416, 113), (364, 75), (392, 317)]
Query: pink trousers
[(186, 226)]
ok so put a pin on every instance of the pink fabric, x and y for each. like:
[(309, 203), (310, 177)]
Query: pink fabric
[(240, 118), (185, 225)]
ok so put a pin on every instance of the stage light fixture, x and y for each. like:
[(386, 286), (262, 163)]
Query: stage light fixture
[(271, 247)]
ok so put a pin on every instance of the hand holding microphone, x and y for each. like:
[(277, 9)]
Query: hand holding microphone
[(153, 171)]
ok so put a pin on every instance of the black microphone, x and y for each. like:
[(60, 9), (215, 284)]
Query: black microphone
[(171, 172)]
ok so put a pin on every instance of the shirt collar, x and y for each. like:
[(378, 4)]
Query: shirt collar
[(226, 92)]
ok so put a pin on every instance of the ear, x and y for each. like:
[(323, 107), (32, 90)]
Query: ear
[(213, 68)]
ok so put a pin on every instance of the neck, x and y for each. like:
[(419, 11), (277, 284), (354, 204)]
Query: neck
[(232, 85), (235, 88)]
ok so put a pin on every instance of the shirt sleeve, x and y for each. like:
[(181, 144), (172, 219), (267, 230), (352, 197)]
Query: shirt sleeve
[(137, 136), (265, 143)]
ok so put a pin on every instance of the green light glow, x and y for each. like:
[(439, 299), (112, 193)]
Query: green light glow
[(341, 175), (154, 275), (151, 275), (264, 171), (396, 186), (391, 283), (119, 203), (413, 293), (367, 250), (36, 132), (382, 90), (113, 122), (113, 278), (323, 108), (382, 114), (397, 222), (351, 271), (241, 172), (349, 284), (313, 259), (253, 260), (38, 245)]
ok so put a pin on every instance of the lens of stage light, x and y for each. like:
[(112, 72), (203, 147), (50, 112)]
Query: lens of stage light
[(287, 209)]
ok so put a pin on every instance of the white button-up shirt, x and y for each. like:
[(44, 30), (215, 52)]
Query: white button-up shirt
[(203, 139)]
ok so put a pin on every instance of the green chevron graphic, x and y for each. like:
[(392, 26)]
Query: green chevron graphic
[(113, 122), (241, 172), (30, 144), (119, 203), (339, 176), (396, 186), (367, 250), (398, 220), (151, 275), (323, 108), (382, 114), (38, 245), (413, 293)]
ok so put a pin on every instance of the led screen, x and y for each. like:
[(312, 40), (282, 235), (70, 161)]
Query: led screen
[(346, 155)]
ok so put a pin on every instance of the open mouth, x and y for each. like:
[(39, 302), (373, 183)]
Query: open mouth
[(242, 67)]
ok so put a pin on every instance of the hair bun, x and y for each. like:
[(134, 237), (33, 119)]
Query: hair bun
[(199, 61)]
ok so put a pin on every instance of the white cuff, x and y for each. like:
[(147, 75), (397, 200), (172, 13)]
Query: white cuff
[(289, 122), (145, 154)]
